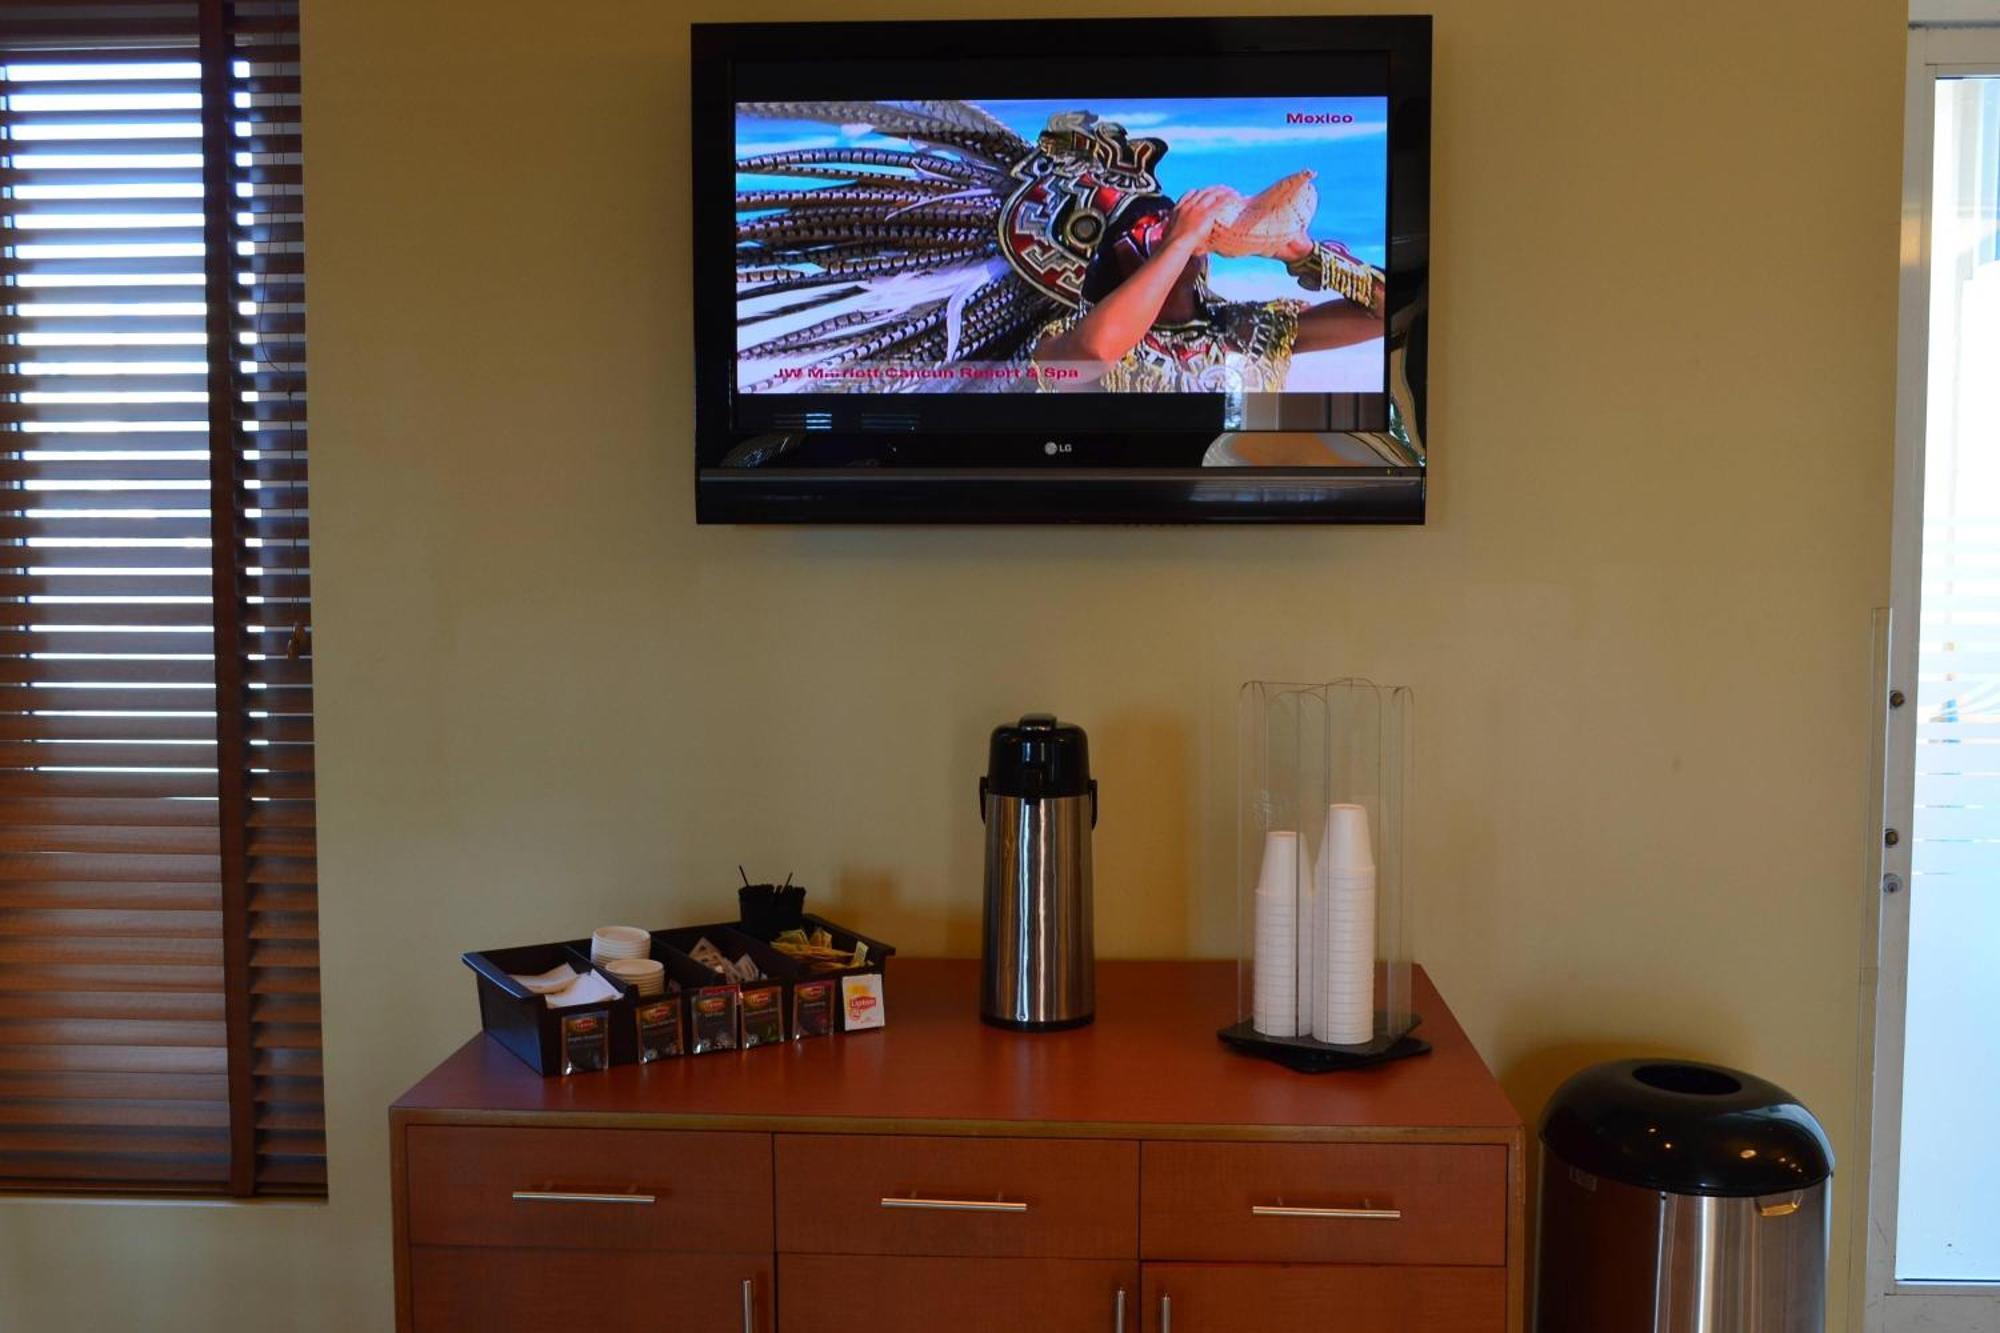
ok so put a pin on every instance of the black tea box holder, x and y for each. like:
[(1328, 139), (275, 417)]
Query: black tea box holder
[(584, 1038)]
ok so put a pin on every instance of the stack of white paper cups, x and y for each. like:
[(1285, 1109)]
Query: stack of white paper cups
[(1308, 940), (1278, 938), (1344, 930)]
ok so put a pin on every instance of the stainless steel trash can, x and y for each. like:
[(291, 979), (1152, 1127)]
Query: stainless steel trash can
[(1681, 1198)]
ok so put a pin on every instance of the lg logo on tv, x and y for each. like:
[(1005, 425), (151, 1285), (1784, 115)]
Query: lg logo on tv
[(1054, 447)]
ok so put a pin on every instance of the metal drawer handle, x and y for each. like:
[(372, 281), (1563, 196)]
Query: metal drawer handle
[(749, 1305), (1350, 1214), (564, 1196), (1118, 1313), (1166, 1313), (958, 1205)]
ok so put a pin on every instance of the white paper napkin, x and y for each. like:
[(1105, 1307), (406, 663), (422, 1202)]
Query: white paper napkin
[(589, 988), (547, 983)]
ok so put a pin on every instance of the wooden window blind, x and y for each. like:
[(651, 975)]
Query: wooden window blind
[(159, 983)]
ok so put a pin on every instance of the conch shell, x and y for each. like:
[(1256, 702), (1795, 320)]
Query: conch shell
[(1260, 224)]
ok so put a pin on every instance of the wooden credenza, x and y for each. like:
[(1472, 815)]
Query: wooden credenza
[(940, 1176)]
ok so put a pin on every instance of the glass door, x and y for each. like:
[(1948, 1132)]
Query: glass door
[(1934, 1252)]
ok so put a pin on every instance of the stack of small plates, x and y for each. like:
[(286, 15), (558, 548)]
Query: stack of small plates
[(612, 942), (648, 975)]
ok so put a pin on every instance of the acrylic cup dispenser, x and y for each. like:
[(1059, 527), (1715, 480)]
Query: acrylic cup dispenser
[(1323, 957)]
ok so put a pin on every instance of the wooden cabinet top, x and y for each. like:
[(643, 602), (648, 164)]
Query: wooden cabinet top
[(1149, 1067)]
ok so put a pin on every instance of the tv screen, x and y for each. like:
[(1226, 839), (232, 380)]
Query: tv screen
[(1109, 270)]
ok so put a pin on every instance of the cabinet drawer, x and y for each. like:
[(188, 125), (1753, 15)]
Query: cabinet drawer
[(1224, 1298), (490, 1290), (1351, 1203), (840, 1294), (861, 1194), (612, 1189)]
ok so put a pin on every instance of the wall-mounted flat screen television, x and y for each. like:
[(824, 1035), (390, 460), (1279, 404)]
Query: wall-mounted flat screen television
[(1096, 270)]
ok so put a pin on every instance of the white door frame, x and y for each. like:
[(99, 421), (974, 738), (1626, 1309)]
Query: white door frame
[(1887, 1305)]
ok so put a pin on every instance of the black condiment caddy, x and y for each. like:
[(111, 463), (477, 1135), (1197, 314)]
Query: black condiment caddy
[(521, 1020)]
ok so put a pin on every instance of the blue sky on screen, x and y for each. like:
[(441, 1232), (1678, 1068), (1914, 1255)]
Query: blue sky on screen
[(1242, 142)]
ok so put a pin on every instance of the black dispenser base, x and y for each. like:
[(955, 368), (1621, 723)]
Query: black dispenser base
[(1307, 1056)]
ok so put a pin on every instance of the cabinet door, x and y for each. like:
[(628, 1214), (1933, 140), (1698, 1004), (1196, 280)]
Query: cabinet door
[(495, 1290), (839, 1294), (1221, 1298)]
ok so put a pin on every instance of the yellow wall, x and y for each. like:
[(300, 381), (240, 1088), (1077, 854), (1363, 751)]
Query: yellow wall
[(1637, 623)]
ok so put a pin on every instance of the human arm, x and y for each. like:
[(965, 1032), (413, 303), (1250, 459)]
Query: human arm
[(1320, 265), (1332, 324), (1329, 266)]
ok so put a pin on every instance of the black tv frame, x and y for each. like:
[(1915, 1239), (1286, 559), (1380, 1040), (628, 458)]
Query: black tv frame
[(1090, 492)]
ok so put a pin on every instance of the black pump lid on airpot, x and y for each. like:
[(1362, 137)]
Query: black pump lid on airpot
[(1686, 1128), (1038, 757)]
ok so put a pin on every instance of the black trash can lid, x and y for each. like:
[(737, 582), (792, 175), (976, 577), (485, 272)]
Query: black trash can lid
[(1687, 1129)]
